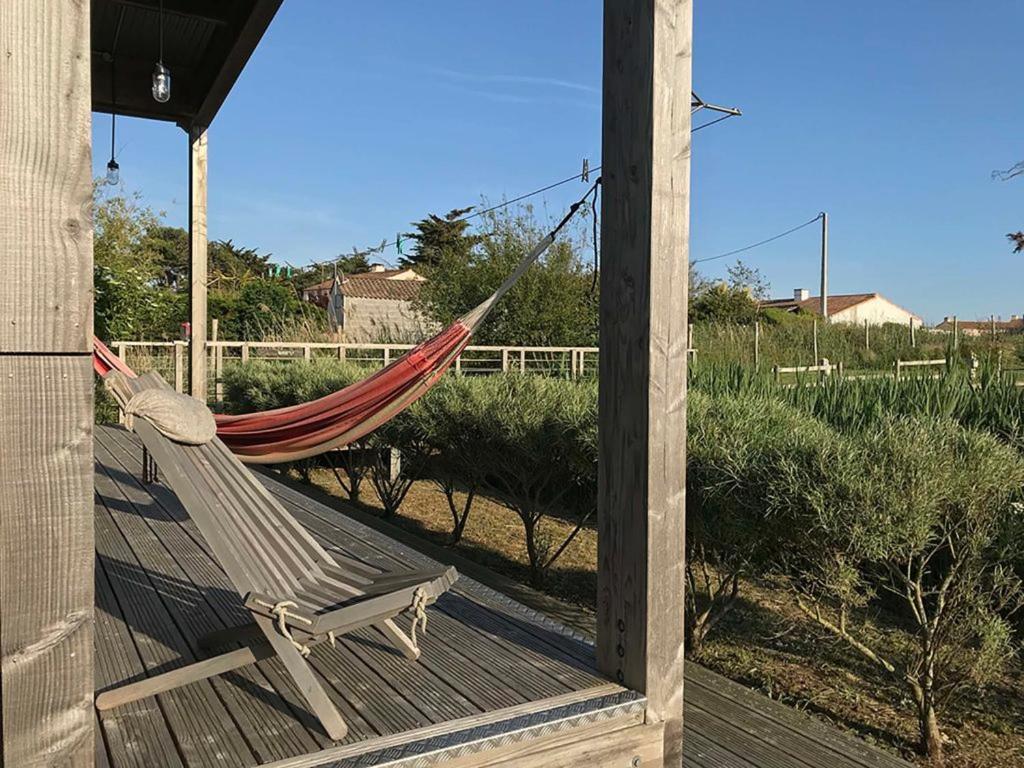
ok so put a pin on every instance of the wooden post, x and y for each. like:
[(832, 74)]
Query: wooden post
[(198, 251), (342, 352), (815, 341), (245, 352), (956, 333), (896, 369), (214, 362), (867, 335), (757, 343), (522, 361), (46, 386), (913, 338), (179, 366), (643, 362), (504, 361), (307, 353), (824, 268), (387, 357)]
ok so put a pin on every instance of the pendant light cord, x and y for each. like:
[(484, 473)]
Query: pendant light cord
[(161, 32)]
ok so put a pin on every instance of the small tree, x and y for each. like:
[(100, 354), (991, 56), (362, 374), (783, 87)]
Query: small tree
[(452, 427), (538, 457), (920, 514), (733, 530)]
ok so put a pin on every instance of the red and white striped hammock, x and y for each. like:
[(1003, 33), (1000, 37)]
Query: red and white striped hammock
[(333, 421)]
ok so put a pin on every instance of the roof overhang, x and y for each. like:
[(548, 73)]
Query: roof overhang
[(206, 45)]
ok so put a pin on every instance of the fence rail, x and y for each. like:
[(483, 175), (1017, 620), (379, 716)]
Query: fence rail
[(170, 358)]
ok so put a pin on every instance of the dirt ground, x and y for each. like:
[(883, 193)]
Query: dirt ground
[(766, 643)]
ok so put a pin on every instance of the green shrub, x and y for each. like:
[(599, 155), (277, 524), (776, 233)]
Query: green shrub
[(735, 501), (262, 385), (920, 512)]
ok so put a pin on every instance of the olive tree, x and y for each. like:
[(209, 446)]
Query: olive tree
[(918, 515)]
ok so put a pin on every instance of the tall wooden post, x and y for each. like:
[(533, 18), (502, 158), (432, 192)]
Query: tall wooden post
[(824, 266), (643, 340), (815, 341), (198, 251), (867, 335), (913, 337), (46, 386)]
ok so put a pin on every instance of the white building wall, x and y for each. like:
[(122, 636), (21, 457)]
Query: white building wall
[(875, 311)]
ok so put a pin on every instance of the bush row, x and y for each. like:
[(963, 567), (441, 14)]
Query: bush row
[(908, 510)]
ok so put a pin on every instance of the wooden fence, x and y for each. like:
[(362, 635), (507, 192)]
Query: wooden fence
[(170, 358)]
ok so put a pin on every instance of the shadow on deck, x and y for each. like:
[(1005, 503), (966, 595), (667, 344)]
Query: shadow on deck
[(493, 674)]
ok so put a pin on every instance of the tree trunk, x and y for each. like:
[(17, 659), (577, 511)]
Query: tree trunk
[(931, 737)]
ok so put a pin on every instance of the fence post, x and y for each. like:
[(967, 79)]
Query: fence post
[(757, 343), (896, 367), (458, 363), (342, 353), (815, 334), (572, 364), (913, 340), (307, 352), (122, 350), (867, 335), (211, 364), (245, 352), (179, 366), (581, 353), (387, 358), (775, 372), (522, 361)]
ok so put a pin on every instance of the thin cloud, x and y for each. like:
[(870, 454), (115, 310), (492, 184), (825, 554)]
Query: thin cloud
[(550, 82)]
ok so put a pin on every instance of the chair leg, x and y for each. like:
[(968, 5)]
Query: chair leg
[(176, 678), (306, 681), (399, 639)]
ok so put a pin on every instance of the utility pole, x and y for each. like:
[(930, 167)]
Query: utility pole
[(824, 265)]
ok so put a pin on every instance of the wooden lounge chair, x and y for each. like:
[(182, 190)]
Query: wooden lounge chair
[(298, 594)]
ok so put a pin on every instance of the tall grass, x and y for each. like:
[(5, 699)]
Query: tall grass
[(986, 401), (791, 343)]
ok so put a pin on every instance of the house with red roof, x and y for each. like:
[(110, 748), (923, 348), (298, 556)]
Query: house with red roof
[(374, 306), (856, 308)]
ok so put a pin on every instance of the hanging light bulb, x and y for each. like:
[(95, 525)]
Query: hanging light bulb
[(113, 169), (161, 74), (161, 83)]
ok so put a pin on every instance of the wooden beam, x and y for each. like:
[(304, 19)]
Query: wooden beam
[(198, 251), (642, 402), (227, 69), (46, 386)]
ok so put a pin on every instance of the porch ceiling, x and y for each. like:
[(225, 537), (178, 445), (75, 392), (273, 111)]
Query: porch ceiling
[(206, 45)]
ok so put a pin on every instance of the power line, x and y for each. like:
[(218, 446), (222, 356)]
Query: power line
[(759, 243)]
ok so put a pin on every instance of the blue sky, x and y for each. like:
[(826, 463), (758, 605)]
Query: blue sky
[(353, 120)]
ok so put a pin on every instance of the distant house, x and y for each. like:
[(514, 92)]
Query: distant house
[(858, 308), (376, 305), (979, 327)]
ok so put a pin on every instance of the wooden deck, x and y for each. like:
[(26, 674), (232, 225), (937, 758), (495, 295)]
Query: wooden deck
[(494, 674)]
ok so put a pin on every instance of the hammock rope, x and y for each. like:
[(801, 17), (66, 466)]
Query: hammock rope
[(309, 429)]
